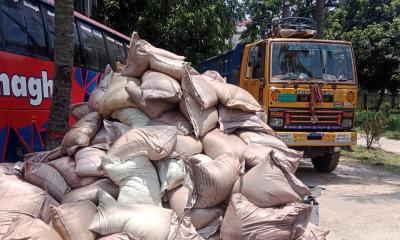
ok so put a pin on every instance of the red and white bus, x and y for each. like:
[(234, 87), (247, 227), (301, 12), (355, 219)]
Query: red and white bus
[(26, 69)]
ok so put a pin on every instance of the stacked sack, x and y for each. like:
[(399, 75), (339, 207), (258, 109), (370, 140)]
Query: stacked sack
[(160, 151)]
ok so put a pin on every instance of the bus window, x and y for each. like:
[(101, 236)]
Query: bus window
[(35, 28), (13, 25), (116, 50), (49, 18), (94, 49)]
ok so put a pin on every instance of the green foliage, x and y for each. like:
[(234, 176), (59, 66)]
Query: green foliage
[(374, 125), (196, 29), (372, 156)]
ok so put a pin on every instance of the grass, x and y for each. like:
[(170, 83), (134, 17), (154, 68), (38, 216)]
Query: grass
[(393, 129), (374, 156)]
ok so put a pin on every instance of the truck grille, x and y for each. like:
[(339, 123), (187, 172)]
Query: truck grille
[(327, 119)]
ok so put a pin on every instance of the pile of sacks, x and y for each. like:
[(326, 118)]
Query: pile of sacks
[(159, 152)]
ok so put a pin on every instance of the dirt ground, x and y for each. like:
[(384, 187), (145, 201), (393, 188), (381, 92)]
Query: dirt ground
[(361, 202)]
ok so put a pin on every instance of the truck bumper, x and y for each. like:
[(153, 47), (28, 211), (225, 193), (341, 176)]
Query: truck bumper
[(316, 139)]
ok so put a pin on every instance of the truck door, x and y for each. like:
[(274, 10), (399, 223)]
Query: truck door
[(254, 77)]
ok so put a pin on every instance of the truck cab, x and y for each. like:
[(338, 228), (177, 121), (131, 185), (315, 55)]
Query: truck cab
[(308, 88)]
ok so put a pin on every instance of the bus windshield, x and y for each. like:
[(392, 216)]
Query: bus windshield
[(312, 61)]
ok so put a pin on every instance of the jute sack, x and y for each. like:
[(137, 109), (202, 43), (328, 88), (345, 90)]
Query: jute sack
[(136, 178), (233, 119), (7, 170), (269, 184), (186, 146), (132, 117), (235, 97), (101, 88), (156, 85), (90, 192), (152, 107), (166, 65), (203, 121), (88, 162), (116, 97), (212, 75), (314, 233), (174, 118), (72, 220), (118, 236), (81, 133), (211, 182), (47, 178), (200, 217), (244, 220), (216, 143), (171, 172), (259, 138), (66, 167), (78, 110), (199, 88), (20, 226), (108, 134), (44, 156), (140, 220), (158, 141), (254, 154)]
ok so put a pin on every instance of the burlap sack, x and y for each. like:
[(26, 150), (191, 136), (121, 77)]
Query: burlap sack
[(78, 110), (235, 97), (202, 121), (186, 146), (44, 156), (254, 154), (212, 182), (17, 226), (158, 141), (152, 107), (233, 119), (7, 169), (108, 134), (269, 184), (47, 178), (314, 233), (156, 85), (81, 133), (199, 88), (90, 192), (259, 138), (174, 118), (132, 117), (118, 236), (101, 88), (212, 75), (142, 221), (216, 143), (116, 97), (200, 217), (88, 162), (72, 220), (169, 66), (184, 230), (66, 167), (244, 220), (171, 172), (136, 178)]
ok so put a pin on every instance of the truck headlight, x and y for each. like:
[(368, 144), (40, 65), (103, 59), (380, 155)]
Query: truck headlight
[(347, 123), (276, 122)]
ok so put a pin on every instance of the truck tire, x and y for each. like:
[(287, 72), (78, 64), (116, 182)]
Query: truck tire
[(326, 163)]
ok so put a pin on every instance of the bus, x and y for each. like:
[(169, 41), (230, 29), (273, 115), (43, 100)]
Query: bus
[(27, 69)]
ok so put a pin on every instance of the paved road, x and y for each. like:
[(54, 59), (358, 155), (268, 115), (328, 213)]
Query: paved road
[(361, 202), (389, 145)]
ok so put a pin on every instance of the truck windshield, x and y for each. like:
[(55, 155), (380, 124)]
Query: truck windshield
[(311, 61)]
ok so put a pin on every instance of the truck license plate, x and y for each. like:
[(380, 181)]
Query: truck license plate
[(343, 138)]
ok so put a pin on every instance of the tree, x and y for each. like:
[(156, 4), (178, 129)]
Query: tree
[(320, 18), (63, 61), (194, 28)]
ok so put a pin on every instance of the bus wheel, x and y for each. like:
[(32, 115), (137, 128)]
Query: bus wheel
[(326, 163)]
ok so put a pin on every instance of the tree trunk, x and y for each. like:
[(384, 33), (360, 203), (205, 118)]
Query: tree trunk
[(63, 62), (381, 96), (365, 100), (320, 18), (286, 8), (394, 93)]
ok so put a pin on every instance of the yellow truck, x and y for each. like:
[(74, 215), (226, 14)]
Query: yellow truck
[(307, 86)]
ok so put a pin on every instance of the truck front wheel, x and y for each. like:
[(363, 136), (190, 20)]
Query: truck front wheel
[(326, 163)]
